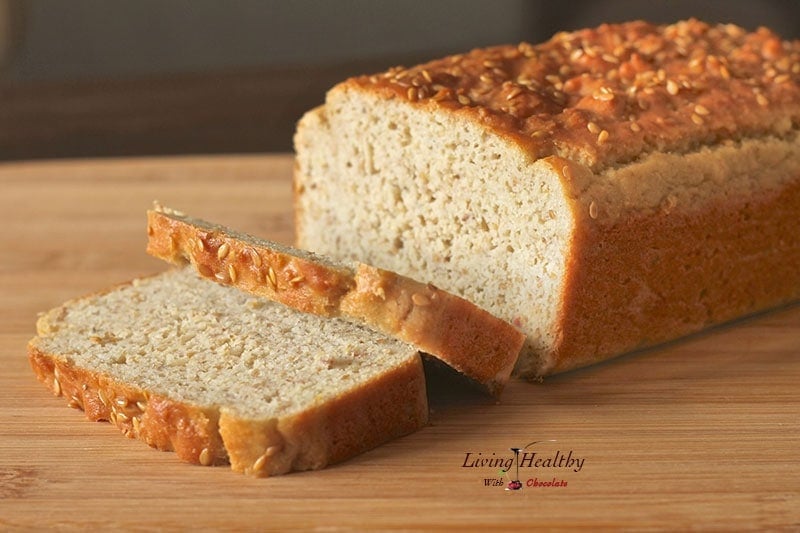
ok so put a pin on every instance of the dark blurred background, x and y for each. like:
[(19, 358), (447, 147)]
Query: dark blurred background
[(88, 78)]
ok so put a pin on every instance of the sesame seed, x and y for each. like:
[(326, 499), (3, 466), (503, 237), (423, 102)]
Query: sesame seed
[(701, 110), (121, 417), (260, 463), (486, 78), (205, 457), (273, 279), (635, 127), (724, 72), (412, 94), (516, 91), (566, 171), (201, 246), (137, 424), (222, 251), (272, 450), (602, 137), (593, 209), (255, 257), (593, 128), (141, 404), (783, 78), (420, 299), (427, 76), (672, 87), (56, 387), (762, 100), (464, 100), (610, 59), (102, 397), (697, 119), (232, 273), (296, 280), (122, 402)]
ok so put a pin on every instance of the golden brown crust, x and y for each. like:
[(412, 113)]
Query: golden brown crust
[(390, 406), (190, 431), (662, 274), (462, 335), (607, 95)]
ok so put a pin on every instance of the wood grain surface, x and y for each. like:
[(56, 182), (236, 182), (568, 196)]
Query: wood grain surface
[(701, 433)]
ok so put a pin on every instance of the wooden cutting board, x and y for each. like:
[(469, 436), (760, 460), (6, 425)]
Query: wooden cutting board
[(700, 433)]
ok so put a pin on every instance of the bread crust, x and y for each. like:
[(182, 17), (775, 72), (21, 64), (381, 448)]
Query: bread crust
[(604, 96), (469, 339), (390, 406)]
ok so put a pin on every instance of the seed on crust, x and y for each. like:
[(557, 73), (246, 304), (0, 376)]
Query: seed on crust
[(102, 397), (697, 119), (137, 424), (255, 257), (602, 137), (420, 299), (593, 128), (701, 110), (273, 279), (223, 250), (297, 280), (75, 402), (56, 387), (672, 87), (201, 246), (141, 405), (232, 273), (260, 463), (272, 450), (205, 457), (593, 209), (762, 100)]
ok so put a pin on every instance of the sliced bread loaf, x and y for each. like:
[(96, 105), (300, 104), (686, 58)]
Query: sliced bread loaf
[(608, 189), (219, 376), (466, 337)]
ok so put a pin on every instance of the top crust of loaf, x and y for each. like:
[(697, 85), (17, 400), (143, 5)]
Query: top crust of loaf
[(604, 96)]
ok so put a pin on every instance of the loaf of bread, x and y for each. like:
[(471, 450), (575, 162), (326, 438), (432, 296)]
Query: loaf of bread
[(609, 189), (219, 376), (465, 337)]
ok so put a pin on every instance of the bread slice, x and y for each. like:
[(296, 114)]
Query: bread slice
[(606, 190), (464, 336), (219, 376)]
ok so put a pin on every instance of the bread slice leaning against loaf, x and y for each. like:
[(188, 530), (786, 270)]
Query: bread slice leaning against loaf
[(462, 335), (606, 190), (219, 376)]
